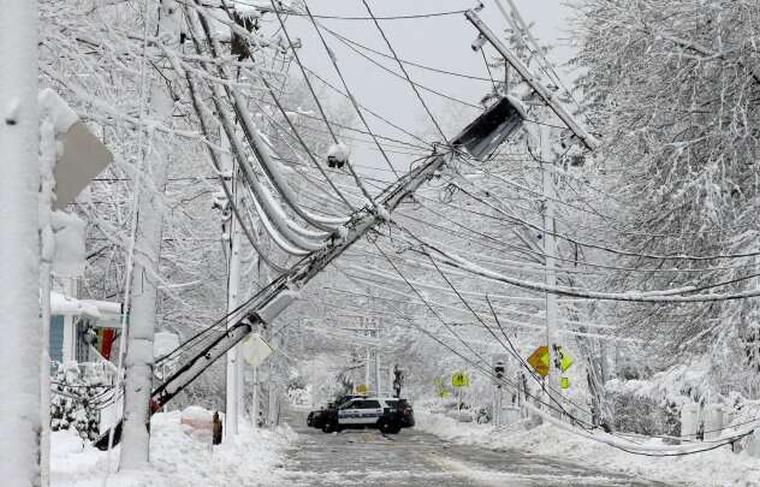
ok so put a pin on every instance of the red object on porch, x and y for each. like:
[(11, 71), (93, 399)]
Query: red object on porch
[(106, 343)]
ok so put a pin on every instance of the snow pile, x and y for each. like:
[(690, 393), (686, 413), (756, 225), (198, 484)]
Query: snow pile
[(57, 110), (719, 467), (177, 458)]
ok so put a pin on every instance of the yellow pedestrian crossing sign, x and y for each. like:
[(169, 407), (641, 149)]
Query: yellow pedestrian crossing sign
[(440, 388), (362, 389), (565, 361), (460, 379)]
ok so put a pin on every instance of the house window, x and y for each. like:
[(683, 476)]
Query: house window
[(86, 337), (55, 349)]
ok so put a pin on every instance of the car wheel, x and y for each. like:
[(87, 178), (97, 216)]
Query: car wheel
[(388, 426), (328, 426)]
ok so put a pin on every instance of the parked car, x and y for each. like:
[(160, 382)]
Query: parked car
[(387, 414), (405, 411), (316, 417)]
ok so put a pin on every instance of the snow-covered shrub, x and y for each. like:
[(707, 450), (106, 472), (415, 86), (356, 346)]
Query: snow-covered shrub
[(77, 396), (634, 413)]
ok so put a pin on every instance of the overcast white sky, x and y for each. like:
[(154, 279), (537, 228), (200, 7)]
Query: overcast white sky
[(441, 42)]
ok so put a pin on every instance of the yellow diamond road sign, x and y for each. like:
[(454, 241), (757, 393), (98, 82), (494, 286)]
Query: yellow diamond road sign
[(539, 360)]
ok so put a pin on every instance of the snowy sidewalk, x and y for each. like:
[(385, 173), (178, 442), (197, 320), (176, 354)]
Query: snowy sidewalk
[(719, 468), (177, 459)]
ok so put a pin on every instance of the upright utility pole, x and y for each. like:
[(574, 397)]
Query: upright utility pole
[(550, 251), (20, 344), (233, 382), (144, 290)]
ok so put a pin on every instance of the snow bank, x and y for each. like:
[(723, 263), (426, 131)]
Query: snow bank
[(177, 459), (719, 467)]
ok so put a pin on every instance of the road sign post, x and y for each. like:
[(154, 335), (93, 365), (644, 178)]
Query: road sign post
[(460, 380), (499, 364)]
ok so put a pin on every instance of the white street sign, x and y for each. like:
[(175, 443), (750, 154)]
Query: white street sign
[(256, 350)]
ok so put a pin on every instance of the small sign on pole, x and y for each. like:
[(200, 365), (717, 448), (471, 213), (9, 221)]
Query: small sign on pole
[(256, 350), (460, 379)]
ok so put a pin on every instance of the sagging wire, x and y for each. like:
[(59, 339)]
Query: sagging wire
[(354, 103)]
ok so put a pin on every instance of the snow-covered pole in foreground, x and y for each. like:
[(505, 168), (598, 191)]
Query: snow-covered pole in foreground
[(20, 345), (144, 290)]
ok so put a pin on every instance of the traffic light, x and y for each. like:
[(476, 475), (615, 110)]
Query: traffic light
[(498, 370), (499, 364)]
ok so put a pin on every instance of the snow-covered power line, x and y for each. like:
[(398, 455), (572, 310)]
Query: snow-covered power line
[(337, 144), (354, 102), (679, 295)]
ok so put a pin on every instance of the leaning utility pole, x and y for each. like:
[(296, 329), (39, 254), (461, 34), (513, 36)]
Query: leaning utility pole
[(542, 91), (20, 345), (479, 139), (547, 167)]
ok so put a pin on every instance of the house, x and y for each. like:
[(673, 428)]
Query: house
[(83, 330)]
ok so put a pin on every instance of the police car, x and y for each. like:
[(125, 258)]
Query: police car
[(315, 418), (388, 415)]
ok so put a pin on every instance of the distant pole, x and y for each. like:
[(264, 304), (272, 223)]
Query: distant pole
[(233, 291), (550, 250), (20, 346)]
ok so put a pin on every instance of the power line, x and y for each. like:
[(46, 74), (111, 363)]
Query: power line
[(316, 100), (294, 13), (345, 40), (416, 84), (351, 97), (371, 112)]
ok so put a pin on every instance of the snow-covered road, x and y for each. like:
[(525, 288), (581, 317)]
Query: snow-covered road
[(414, 458)]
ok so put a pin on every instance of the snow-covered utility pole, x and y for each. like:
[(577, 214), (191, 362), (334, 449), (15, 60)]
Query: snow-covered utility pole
[(144, 289), (378, 384), (234, 360), (535, 83), (550, 252), (20, 346)]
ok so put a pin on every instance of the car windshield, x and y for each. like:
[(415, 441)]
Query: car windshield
[(392, 404)]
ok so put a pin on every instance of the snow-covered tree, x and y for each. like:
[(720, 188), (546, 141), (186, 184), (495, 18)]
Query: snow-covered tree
[(673, 87)]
